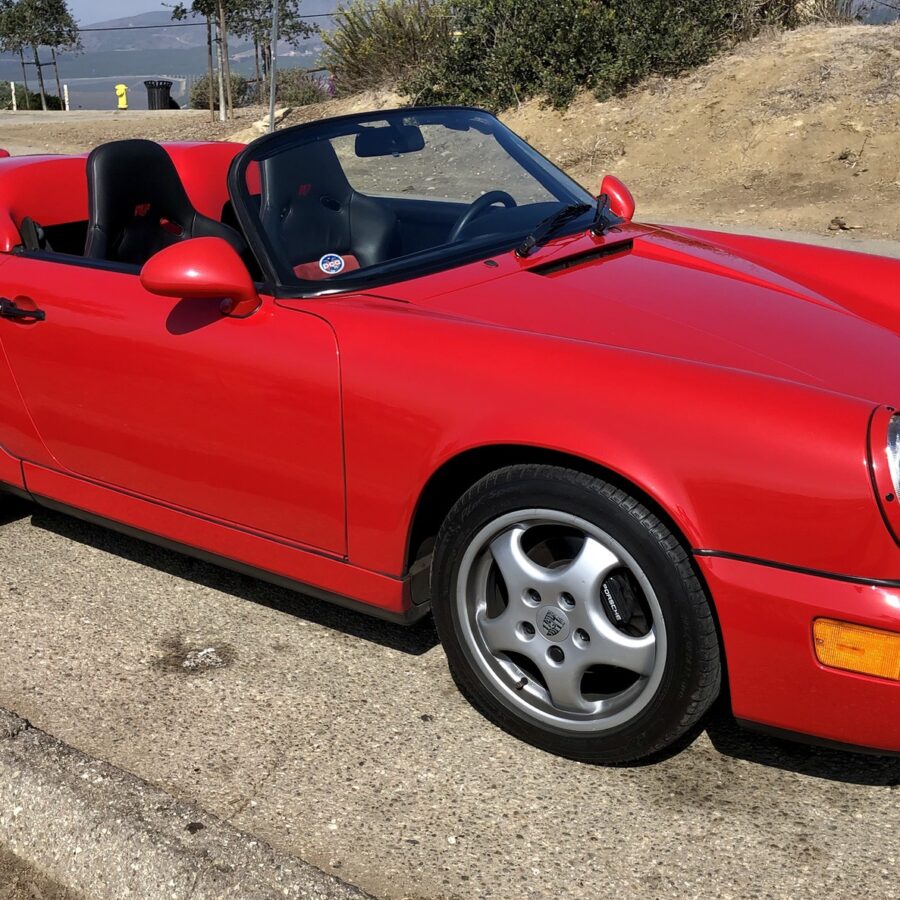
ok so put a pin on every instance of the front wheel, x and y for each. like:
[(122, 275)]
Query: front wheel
[(571, 615)]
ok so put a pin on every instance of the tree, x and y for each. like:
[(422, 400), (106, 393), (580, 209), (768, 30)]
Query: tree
[(207, 10), (219, 11), (12, 40), (252, 21), (34, 24)]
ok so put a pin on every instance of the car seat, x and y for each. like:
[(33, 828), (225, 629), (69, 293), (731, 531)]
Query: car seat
[(138, 205), (309, 209)]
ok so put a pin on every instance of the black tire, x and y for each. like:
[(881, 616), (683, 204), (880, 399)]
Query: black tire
[(690, 677)]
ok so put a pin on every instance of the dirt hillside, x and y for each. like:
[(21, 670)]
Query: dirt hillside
[(789, 131), (792, 131)]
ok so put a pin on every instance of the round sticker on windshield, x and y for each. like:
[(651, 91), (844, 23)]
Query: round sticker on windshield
[(331, 264)]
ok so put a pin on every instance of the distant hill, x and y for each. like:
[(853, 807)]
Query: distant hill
[(147, 37), (147, 44)]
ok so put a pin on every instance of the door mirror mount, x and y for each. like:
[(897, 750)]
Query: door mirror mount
[(206, 268)]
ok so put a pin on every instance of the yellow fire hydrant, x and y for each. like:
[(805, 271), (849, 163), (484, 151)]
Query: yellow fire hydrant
[(122, 94)]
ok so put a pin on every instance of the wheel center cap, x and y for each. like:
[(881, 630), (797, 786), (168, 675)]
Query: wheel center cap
[(553, 623)]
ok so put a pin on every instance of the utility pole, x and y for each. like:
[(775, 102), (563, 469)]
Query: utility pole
[(259, 81), (222, 110), (40, 74), (59, 92), (209, 83), (273, 66), (226, 63), (25, 79)]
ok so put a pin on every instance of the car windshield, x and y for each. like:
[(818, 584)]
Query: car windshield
[(358, 200)]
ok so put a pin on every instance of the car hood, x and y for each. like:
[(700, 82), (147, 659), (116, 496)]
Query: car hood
[(664, 292)]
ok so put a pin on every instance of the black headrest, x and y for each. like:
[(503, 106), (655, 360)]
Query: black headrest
[(137, 204), (312, 168)]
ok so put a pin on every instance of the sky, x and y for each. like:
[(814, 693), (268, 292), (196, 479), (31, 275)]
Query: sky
[(97, 10)]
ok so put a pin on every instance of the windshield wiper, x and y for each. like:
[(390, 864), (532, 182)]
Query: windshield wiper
[(552, 223)]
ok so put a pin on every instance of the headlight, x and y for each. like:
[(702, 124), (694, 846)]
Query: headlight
[(884, 464), (893, 452)]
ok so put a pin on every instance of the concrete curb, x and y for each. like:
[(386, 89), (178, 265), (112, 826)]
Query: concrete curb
[(103, 833)]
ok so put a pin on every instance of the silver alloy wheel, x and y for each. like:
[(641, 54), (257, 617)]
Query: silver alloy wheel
[(554, 623)]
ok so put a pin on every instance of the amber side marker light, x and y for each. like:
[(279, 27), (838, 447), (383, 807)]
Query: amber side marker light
[(857, 648)]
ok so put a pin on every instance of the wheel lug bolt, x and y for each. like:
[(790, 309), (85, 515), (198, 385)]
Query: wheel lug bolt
[(567, 600), (532, 595), (527, 629), (582, 636), (556, 654)]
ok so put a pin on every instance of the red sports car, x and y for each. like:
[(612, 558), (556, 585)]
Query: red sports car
[(400, 361)]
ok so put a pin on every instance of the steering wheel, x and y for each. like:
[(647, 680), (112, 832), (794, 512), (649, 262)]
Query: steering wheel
[(477, 207)]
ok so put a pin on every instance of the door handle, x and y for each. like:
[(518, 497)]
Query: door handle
[(9, 310)]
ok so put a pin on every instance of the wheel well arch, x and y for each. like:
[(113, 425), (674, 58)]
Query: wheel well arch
[(449, 482), (455, 476)]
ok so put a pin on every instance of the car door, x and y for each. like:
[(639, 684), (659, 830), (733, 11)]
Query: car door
[(237, 420)]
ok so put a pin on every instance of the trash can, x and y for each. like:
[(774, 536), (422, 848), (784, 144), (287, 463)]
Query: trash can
[(158, 94)]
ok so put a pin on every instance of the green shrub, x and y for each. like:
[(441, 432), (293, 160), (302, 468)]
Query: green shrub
[(504, 51), (34, 98), (507, 50), (656, 37), (496, 53), (242, 91), (383, 45), (294, 87)]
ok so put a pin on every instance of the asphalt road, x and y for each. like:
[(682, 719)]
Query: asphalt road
[(343, 740)]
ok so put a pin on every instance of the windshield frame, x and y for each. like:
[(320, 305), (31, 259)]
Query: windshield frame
[(285, 283)]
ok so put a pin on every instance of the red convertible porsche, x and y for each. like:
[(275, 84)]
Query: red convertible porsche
[(400, 361)]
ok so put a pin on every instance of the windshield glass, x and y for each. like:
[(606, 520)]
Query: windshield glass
[(364, 199)]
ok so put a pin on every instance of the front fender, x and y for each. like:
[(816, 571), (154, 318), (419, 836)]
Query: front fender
[(742, 463)]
